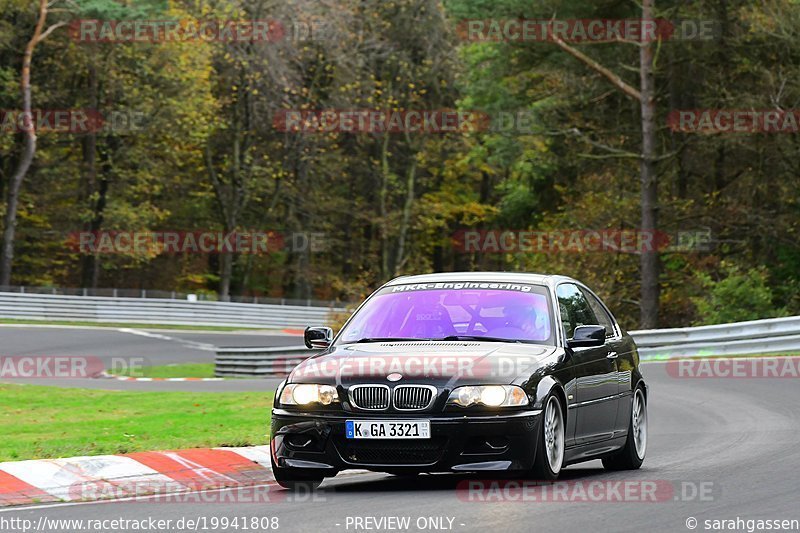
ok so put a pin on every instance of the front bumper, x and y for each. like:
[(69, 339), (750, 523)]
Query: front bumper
[(316, 442)]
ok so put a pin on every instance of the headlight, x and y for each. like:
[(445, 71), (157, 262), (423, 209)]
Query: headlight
[(489, 395), (306, 394)]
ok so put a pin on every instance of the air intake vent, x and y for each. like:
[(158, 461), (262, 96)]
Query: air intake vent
[(413, 397), (429, 343), (392, 452), (370, 397)]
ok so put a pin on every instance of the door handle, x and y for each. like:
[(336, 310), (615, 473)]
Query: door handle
[(612, 355)]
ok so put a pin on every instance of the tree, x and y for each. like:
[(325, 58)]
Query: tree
[(645, 96), (29, 143), (391, 204)]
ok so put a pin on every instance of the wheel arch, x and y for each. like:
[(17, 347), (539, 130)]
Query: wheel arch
[(645, 388), (547, 385)]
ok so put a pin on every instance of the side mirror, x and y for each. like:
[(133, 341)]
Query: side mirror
[(587, 336), (318, 338)]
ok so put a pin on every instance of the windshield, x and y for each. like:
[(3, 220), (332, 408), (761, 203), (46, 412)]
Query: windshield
[(439, 311)]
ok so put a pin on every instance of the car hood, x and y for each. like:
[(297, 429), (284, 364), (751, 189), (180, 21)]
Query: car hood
[(443, 364)]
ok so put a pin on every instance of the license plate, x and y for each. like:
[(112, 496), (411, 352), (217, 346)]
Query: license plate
[(388, 429)]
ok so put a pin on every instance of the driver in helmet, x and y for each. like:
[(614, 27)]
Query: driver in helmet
[(523, 322)]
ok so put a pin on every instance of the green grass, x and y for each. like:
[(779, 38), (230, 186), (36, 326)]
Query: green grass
[(23, 321), (48, 422), (192, 370)]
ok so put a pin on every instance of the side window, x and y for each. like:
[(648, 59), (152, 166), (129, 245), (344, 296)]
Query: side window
[(603, 318), (566, 320), (575, 309)]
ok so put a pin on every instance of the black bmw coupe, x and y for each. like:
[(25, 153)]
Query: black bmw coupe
[(464, 372)]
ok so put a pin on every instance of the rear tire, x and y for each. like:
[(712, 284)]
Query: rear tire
[(551, 445), (632, 455)]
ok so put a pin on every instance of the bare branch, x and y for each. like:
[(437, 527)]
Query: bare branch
[(618, 82), (622, 155), (613, 152), (50, 30)]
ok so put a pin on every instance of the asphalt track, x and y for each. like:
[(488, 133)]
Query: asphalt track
[(156, 347), (736, 439), (140, 347), (227, 385)]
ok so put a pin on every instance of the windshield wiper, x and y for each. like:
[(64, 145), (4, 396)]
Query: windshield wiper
[(479, 338), (385, 339)]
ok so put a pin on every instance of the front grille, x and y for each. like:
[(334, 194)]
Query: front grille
[(413, 397), (370, 397), (405, 452)]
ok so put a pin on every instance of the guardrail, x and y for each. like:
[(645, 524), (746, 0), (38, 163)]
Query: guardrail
[(165, 295), (259, 362), (774, 335), (777, 335), (159, 311)]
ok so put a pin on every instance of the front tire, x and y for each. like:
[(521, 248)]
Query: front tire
[(632, 455), (550, 453)]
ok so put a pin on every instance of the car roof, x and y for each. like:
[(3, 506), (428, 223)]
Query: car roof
[(489, 277)]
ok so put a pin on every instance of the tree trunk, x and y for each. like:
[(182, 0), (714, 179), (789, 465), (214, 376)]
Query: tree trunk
[(26, 157), (226, 274), (382, 210), (649, 299), (677, 139), (89, 262), (228, 199), (645, 95), (411, 179)]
